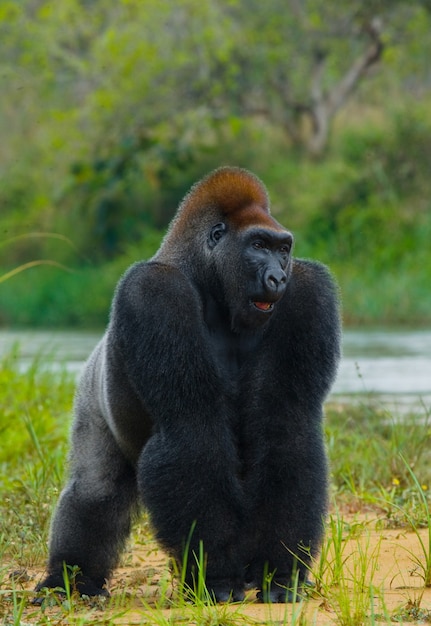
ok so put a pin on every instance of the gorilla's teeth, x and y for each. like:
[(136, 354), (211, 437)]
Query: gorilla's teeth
[(263, 306)]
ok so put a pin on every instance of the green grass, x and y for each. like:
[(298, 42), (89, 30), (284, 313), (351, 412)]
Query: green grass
[(378, 464)]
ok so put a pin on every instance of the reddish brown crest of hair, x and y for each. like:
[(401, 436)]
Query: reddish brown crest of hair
[(253, 215), (235, 194)]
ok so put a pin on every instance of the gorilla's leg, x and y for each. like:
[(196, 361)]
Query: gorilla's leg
[(93, 516), (195, 502)]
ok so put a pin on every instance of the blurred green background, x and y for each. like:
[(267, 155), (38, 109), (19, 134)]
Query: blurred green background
[(111, 109)]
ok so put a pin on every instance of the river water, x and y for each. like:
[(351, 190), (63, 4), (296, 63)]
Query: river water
[(391, 365)]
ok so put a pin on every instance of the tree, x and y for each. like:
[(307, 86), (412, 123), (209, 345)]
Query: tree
[(90, 84), (298, 62)]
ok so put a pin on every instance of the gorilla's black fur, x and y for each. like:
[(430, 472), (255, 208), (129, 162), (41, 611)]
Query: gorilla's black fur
[(204, 400)]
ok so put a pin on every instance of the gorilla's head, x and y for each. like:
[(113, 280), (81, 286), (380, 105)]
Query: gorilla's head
[(225, 239)]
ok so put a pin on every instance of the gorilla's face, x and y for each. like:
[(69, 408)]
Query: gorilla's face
[(266, 258), (253, 266)]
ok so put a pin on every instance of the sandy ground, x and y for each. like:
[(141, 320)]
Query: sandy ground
[(389, 557), (370, 554)]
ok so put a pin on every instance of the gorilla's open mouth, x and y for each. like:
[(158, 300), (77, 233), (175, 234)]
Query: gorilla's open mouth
[(264, 306)]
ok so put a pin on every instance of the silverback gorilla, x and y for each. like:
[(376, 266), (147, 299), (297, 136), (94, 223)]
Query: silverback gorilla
[(204, 401)]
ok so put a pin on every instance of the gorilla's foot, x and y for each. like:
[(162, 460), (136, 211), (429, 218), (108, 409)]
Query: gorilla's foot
[(223, 594), (279, 596), (279, 592), (84, 585), (222, 591)]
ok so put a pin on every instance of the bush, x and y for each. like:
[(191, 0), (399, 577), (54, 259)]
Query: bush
[(51, 297)]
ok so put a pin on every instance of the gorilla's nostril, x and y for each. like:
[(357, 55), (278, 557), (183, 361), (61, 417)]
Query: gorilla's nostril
[(273, 281)]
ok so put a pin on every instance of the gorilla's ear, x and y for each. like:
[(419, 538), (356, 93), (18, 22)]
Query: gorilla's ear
[(216, 233)]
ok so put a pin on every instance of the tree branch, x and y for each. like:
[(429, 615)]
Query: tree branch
[(359, 68), (324, 106)]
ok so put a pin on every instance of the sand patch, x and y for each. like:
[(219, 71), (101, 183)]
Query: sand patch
[(374, 572)]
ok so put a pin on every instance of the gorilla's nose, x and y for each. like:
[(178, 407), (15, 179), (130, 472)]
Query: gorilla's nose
[(275, 280)]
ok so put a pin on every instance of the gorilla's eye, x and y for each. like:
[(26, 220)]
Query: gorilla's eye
[(258, 244), (285, 249)]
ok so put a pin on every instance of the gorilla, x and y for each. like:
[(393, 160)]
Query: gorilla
[(203, 401)]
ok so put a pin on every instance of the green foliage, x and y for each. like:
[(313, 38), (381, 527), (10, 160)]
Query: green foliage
[(134, 189), (111, 110), (370, 199), (78, 297), (366, 212), (56, 298)]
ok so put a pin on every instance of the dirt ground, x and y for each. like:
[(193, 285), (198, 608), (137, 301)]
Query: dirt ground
[(390, 565), (371, 554)]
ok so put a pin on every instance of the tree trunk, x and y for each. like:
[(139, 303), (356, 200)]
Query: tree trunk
[(324, 106)]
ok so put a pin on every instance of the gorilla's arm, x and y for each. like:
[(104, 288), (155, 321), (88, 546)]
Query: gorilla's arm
[(283, 437), (93, 516), (310, 322), (158, 329), (188, 471)]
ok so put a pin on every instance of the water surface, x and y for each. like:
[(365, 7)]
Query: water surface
[(395, 365)]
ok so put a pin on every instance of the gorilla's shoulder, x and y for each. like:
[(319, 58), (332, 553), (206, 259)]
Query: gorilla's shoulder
[(152, 286), (312, 296), (312, 273), (312, 279), (152, 278)]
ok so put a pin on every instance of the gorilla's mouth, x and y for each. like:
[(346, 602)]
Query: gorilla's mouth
[(264, 306)]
